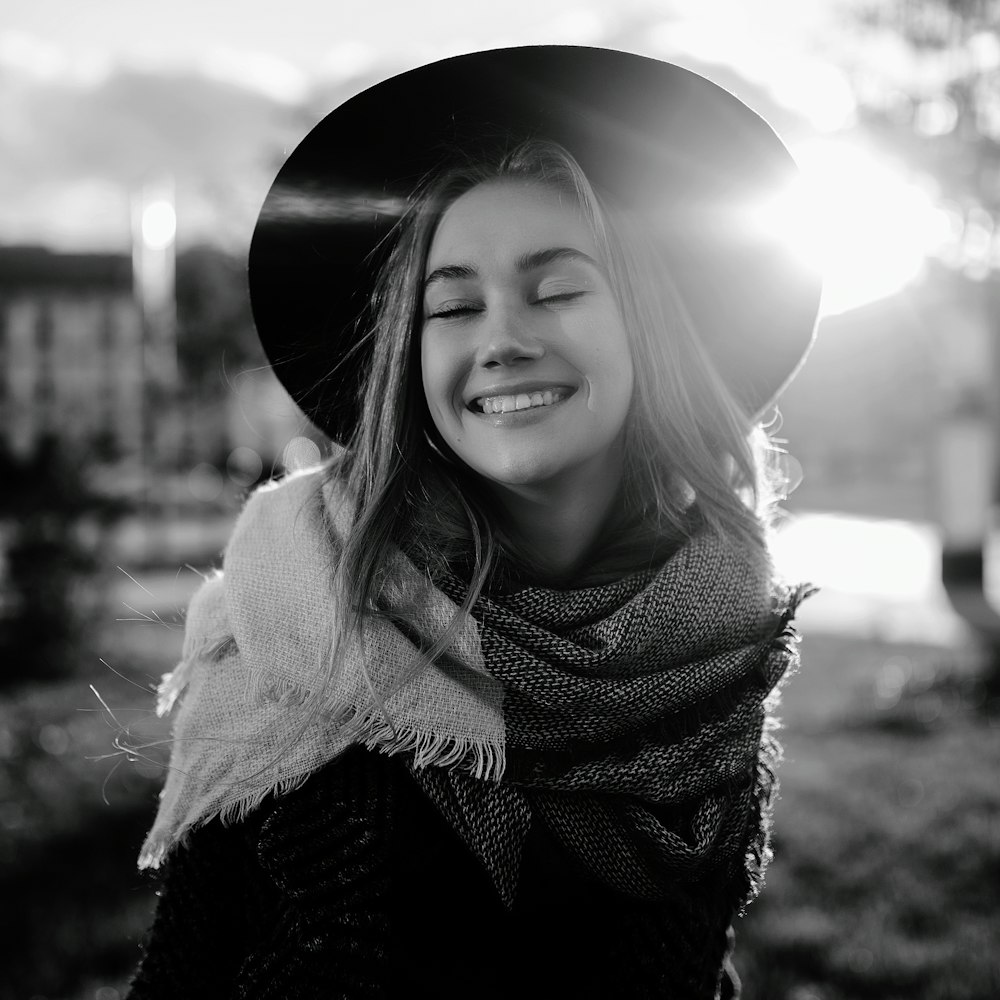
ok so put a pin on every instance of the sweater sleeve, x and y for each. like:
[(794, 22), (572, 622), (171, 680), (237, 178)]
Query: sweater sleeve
[(209, 905)]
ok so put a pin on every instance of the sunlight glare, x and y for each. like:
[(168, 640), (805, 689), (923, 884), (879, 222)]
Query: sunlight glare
[(815, 89), (861, 221), (892, 559)]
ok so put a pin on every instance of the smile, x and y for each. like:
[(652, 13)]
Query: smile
[(520, 401)]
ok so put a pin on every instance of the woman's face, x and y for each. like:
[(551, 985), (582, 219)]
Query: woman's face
[(525, 361)]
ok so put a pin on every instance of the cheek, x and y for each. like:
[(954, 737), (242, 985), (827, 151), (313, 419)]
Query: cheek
[(437, 373), (628, 373), (621, 358), (426, 370), (609, 364), (619, 389)]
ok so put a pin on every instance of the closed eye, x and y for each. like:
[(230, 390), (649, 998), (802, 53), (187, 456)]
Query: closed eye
[(560, 297), (449, 312), (467, 309)]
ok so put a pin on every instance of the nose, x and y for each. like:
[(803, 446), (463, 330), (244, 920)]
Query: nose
[(507, 338)]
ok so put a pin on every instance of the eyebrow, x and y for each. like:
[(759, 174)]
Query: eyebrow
[(526, 262)]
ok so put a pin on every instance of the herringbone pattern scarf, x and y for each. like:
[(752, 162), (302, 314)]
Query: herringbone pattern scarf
[(638, 724)]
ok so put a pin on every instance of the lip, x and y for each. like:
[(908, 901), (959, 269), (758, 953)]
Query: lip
[(515, 388)]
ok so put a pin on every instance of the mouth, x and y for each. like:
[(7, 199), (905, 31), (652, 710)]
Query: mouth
[(520, 401)]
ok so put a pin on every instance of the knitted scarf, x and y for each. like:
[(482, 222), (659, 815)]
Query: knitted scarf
[(632, 718)]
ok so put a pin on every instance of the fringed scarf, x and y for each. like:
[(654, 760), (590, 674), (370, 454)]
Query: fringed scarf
[(632, 718)]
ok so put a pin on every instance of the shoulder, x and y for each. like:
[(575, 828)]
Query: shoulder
[(299, 494), (281, 517)]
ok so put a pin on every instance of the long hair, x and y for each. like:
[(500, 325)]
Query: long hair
[(689, 444)]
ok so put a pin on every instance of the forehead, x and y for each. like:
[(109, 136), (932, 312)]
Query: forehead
[(497, 221)]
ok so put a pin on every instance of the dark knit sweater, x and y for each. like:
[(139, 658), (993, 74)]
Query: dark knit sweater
[(354, 886)]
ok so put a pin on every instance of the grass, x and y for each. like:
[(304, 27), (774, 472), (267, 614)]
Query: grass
[(886, 879), (885, 883), (73, 817)]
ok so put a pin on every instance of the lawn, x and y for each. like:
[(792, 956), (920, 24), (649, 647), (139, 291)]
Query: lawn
[(886, 880), (885, 883)]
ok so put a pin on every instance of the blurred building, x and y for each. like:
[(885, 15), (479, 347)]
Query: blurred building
[(70, 349), (75, 363)]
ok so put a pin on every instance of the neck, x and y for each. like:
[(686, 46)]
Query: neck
[(559, 522)]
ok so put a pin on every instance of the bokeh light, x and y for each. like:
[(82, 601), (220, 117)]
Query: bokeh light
[(244, 466), (53, 739), (205, 482), (159, 224), (300, 453)]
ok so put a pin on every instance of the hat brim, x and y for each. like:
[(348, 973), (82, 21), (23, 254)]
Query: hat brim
[(687, 155)]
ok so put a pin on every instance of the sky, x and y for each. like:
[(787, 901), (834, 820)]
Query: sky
[(787, 58), (303, 31), (64, 161), (305, 39)]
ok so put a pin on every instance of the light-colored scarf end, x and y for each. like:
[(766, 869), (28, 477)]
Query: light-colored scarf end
[(161, 840), (154, 850), (172, 685), (485, 760)]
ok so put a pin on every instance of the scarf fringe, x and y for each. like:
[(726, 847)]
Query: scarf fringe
[(159, 844), (758, 854), (487, 763), (155, 849), (238, 811), (781, 662), (486, 759)]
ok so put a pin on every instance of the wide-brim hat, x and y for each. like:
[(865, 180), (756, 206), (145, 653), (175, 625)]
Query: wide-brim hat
[(692, 160)]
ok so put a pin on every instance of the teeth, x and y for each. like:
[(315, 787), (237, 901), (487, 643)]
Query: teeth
[(520, 401)]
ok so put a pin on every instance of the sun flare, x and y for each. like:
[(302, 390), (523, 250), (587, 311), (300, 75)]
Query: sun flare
[(859, 219)]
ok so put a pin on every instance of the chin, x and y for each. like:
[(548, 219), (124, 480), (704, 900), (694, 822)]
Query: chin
[(519, 471)]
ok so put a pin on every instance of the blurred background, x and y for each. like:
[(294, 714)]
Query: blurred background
[(137, 142)]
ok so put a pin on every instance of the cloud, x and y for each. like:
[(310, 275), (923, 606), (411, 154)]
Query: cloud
[(43, 61), (87, 213), (259, 71), (346, 60), (71, 156)]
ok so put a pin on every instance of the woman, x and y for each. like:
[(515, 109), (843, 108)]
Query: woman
[(522, 289)]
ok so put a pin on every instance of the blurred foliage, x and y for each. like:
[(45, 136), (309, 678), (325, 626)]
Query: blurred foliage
[(931, 23), (942, 114), (51, 524), (213, 317)]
